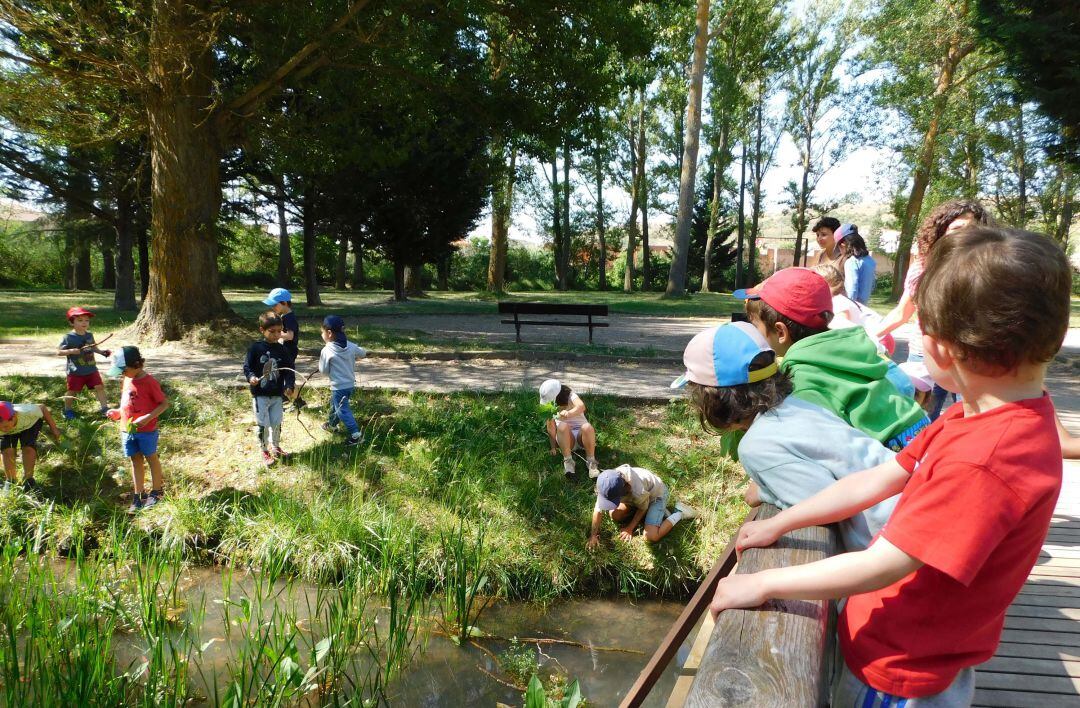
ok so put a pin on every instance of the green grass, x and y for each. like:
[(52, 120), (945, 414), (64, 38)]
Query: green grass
[(36, 312), (432, 464)]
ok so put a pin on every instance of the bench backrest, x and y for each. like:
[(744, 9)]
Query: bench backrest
[(551, 308), (776, 655)]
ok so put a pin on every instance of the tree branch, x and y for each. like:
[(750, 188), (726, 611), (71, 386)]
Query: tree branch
[(262, 90)]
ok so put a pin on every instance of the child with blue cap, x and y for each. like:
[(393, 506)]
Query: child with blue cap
[(792, 449), (338, 361), (280, 302)]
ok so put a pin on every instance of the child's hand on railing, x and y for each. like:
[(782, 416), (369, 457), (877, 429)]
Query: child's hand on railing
[(737, 591), (757, 534)]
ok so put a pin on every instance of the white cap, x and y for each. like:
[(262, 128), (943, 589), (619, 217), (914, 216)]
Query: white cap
[(549, 390)]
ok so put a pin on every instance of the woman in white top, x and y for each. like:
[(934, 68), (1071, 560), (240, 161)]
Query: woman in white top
[(568, 428)]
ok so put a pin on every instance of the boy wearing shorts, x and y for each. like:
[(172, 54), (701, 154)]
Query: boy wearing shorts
[(926, 601), (141, 402), (632, 495), (20, 425), (268, 369), (82, 372)]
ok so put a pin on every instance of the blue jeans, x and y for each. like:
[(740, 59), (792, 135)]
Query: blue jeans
[(340, 410)]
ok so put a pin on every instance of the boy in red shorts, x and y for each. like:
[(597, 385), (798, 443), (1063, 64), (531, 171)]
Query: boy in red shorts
[(927, 599), (79, 347)]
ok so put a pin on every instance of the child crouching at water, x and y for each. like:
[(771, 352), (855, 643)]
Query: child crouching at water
[(338, 361), (792, 449), (568, 428)]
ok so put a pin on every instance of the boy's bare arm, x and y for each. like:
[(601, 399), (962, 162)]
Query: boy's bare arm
[(840, 500), (46, 414), (627, 532), (847, 574), (594, 534), (161, 408)]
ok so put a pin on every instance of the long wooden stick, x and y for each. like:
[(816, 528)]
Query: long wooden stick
[(681, 629)]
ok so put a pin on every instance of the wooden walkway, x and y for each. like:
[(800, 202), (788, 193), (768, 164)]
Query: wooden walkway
[(1038, 662)]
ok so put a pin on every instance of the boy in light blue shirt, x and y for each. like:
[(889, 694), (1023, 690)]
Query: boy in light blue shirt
[(338, 361), (792, 449)]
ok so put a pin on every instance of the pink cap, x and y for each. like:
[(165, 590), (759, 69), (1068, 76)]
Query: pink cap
[(797, 293), (7, 411)]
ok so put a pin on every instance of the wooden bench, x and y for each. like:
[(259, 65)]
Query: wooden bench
[(542, 308), (780, 654)]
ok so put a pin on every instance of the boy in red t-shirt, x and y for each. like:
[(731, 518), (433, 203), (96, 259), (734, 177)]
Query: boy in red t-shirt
[(927, 599), (141, 402)]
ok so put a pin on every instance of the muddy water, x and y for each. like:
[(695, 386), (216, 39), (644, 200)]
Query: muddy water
[(607, 644), (448, 675)]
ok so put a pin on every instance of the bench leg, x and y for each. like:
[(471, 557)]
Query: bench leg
[(517, 328), (590, 330)]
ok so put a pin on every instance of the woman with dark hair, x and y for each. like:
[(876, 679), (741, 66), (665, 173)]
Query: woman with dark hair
[(860, 270), (945, 219)]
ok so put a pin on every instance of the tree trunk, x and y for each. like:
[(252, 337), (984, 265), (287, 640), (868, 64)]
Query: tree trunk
[(311, 265), (739, 274), (802, 203), (399, 282), (414, 281), (568, 245), (502, 199), (719, 167), (646, 254), (757, 170), (142, 234), (285, 266), (598, 164), (185, 288), (677, 275), (636, 161), (1021, 167), (358, 263), (556, 206), (126, 218), (342, 266), (108, 268), (925, 162), (443, 269)]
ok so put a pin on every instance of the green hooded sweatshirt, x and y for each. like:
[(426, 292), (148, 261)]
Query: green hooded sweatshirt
[(841, 371)]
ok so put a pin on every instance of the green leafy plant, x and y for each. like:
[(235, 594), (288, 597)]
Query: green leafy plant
[(536, 696)]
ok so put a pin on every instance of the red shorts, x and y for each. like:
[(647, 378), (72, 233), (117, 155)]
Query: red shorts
[(77, 383)]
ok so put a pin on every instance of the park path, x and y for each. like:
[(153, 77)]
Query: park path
[(634, 378)]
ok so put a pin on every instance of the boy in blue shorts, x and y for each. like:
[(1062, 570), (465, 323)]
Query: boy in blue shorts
[(631, 496), (141, 402), (926, 602)]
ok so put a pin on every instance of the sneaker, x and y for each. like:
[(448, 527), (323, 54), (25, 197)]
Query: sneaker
[(137, 504), (103, 412), (278, 452), (688, 512), (355, 439), (329, 428), (30, 486), (594, 469), (154, 497), (569, 466), (69, 414), (267, 458)]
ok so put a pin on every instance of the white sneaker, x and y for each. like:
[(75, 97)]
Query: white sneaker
[(594, 469), (569, 466), (688, 512)]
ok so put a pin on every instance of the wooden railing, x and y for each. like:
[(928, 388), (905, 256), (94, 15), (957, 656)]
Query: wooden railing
[(775, 655)]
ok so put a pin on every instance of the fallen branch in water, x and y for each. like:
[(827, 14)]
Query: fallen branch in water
[(540, 641), (495, 678)]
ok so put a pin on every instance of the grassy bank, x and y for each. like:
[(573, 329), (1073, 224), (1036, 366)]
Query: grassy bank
[(431, 464)]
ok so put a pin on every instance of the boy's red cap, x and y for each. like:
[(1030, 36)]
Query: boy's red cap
[(799, 294), (7, 411), (78, 312)]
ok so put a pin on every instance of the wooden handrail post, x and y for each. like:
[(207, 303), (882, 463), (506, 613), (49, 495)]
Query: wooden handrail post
[(684, 624)]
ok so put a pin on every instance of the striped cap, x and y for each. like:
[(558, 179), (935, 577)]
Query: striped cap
[(721, 356)]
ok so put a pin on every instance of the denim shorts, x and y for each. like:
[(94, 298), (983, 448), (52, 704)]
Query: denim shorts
[(136, 443), (657, 511)]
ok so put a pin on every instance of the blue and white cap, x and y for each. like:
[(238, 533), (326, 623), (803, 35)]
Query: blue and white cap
[(721, 356), (276, 296)]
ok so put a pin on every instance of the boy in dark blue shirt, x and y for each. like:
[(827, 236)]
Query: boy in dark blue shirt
[(268, 370), (280, 301)]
